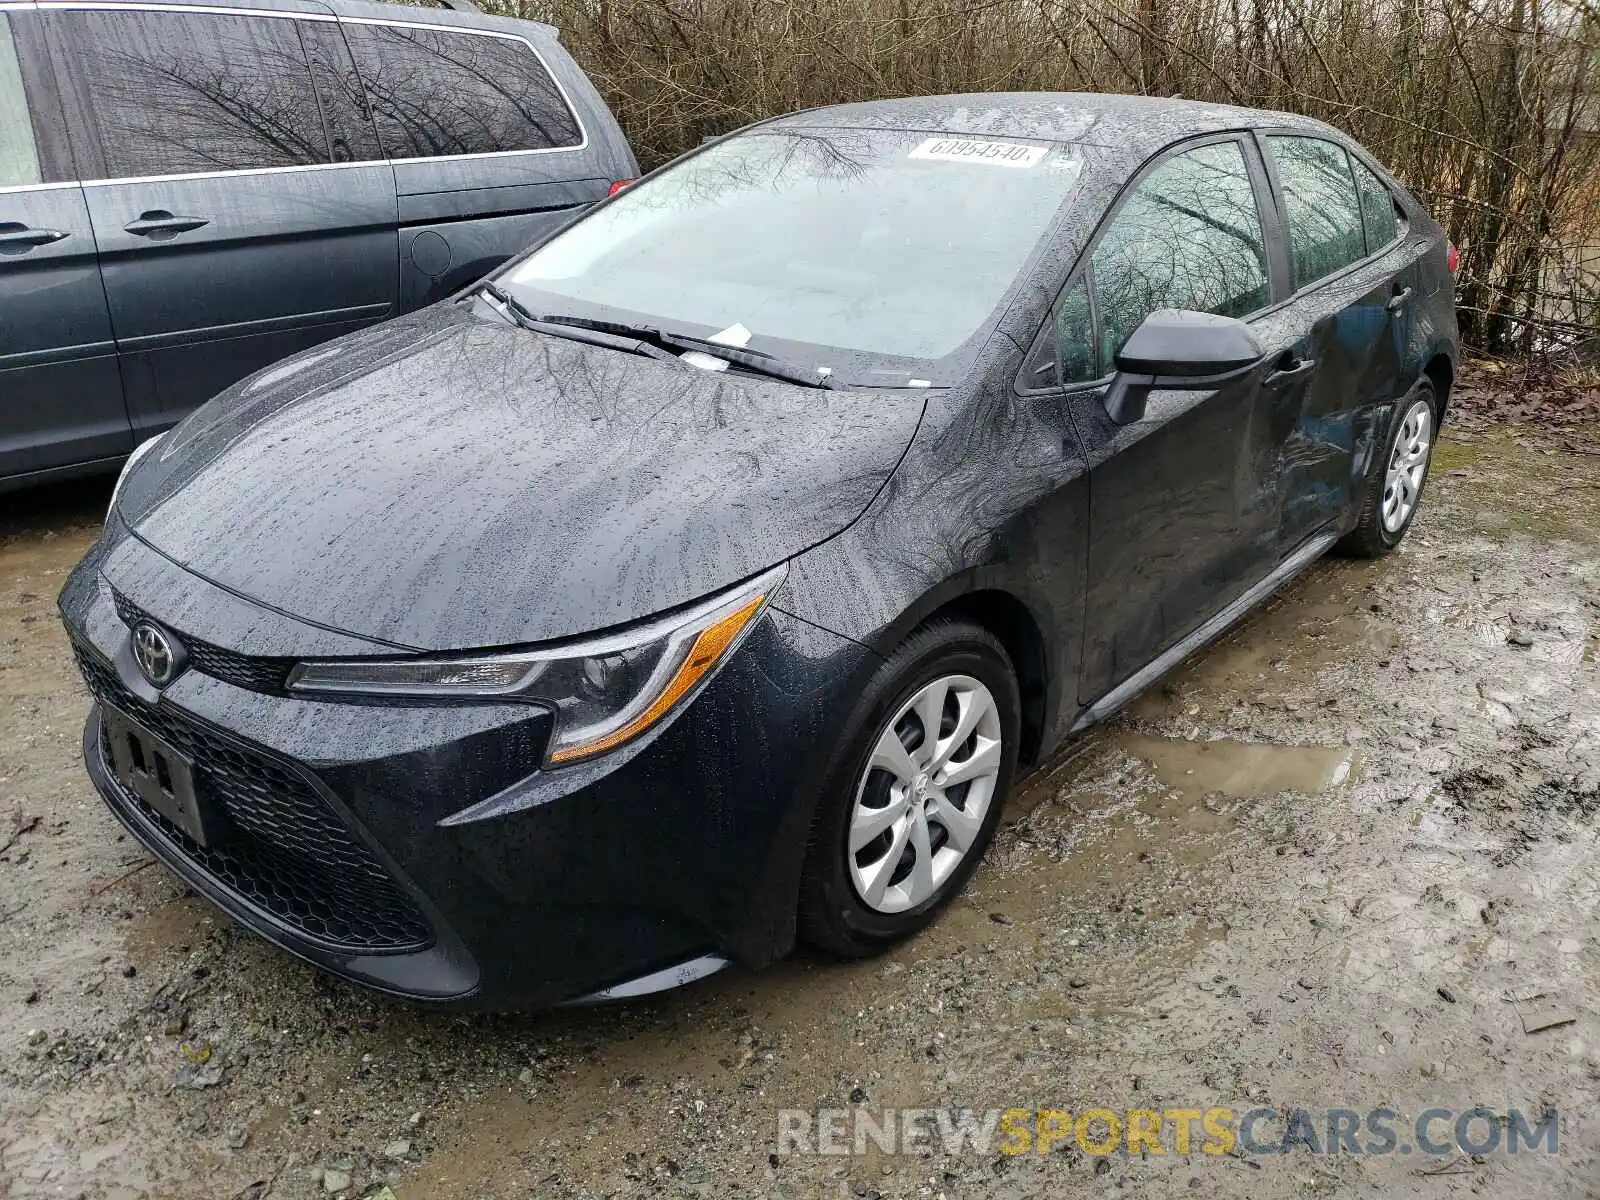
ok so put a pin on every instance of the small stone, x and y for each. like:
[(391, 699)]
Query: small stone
[(32, 997), (129, 971), (1102, 1166), (1446, 994), (858, 1095), (397, 1149), (1000, 918), (414, 1120), (1307, 984), (1519, 637), (1077, 981), (525, 1076), (238, 1138), (335, 1181), (37, 1037), (176, 1025)]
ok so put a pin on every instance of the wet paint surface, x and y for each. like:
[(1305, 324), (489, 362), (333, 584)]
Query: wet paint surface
[(1261, 931)]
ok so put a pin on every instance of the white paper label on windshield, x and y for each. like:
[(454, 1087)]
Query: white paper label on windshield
[(999, 154)]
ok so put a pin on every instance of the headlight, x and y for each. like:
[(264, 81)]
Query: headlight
[(139, 452), (605, 691)]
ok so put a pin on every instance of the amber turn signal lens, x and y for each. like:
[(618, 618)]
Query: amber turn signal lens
[(709, 645)]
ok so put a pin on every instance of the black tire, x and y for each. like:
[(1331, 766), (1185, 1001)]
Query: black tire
[(832, 916), (1370, 538)]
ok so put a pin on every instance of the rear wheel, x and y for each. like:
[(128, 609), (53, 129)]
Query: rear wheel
[(914, 795), (1394, 491)]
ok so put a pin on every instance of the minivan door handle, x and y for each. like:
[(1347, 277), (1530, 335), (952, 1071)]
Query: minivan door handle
[(16, 238), (158, 223), (1398, 300)]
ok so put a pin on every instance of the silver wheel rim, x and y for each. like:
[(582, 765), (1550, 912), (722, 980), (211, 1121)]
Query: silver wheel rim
[(921, 802), (1408, 463)]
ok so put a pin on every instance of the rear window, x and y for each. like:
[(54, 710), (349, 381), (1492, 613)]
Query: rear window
[(164, 93), (436, 92)]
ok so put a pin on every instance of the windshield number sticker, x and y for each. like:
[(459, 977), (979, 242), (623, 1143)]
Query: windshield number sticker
[(999, 154)]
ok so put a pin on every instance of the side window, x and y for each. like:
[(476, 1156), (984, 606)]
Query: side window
[(351, 137), (437, 92), (1190, 237), (19, 152), (1075, 335), (166, 93), (1377, 208), (1320, 206)]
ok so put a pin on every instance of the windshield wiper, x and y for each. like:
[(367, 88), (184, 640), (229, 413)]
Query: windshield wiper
[(525, 318), (757, 361)]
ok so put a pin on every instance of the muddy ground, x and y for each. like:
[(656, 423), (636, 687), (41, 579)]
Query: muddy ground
[(1331, 862)]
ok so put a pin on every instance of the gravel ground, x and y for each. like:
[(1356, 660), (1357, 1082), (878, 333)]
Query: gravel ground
[(1331, 862)]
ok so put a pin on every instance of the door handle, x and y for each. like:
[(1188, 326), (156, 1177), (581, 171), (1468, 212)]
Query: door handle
[(1398, 300), (158, 223), (16, 238), (1297, 369)]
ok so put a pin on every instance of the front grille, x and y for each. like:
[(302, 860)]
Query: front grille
[(253, 672), (287, 853)]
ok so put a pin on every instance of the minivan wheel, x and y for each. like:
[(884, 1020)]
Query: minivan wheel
[(1394, 489), (913, 798)]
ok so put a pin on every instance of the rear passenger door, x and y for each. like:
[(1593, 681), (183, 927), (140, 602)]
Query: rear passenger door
[(487, 147), (235, 220), (1341, 336)]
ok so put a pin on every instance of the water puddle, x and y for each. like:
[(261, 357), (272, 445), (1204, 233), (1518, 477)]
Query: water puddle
[(1242, 770)]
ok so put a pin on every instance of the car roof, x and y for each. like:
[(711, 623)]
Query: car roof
[(1139, 123)]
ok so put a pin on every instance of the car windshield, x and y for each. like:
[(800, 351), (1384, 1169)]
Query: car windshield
[(872, 253)]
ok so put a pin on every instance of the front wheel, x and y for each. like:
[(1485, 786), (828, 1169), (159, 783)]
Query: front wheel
[(1393, 493), (914, 793)]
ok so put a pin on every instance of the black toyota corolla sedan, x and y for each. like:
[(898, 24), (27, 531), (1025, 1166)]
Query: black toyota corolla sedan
[(702, 580)]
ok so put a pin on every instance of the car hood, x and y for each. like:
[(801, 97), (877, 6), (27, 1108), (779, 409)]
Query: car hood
[(449, 481)]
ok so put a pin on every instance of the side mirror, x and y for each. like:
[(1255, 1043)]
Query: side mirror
[(1178, 349)]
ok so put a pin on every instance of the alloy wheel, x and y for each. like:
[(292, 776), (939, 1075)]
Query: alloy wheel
[(1408, 465), (921, 802)]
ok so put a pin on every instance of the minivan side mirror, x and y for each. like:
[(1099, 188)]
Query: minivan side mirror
[(1173, 348)]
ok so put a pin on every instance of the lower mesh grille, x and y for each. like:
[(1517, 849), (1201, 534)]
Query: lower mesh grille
[(287, 854)]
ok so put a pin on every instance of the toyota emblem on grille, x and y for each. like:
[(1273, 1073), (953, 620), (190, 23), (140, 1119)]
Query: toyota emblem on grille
[(156, 652)]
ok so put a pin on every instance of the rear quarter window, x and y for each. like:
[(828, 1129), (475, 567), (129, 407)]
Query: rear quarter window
[(435, 92), (1377, 208)]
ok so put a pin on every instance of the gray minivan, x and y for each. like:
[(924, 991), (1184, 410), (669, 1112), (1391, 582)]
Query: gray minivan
[(190, 191)]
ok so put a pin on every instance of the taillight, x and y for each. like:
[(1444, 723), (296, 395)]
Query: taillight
[(623, 184), (1452, 258)]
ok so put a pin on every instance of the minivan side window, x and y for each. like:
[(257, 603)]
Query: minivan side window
[(1377, 208), (1189, 236), (1320, 206), (166, 93), (19, 153), (436, 92)]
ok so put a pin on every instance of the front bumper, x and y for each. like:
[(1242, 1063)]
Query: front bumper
[(421, 850)]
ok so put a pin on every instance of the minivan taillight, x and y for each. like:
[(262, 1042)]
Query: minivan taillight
[(1452, 258), (619, 186)]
